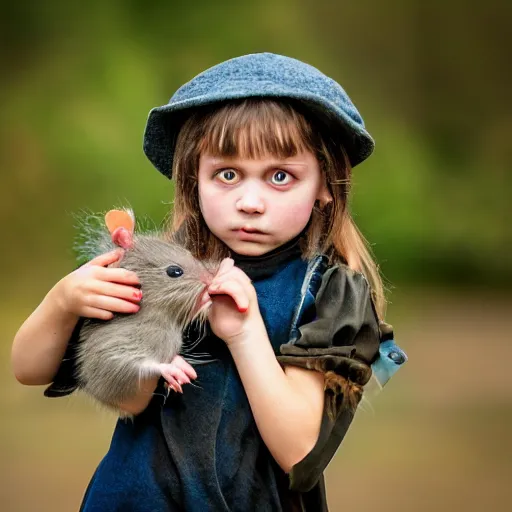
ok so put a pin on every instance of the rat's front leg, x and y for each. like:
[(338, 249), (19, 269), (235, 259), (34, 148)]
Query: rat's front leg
[(177, 372)]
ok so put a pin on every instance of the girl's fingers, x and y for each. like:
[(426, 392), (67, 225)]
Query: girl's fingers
[(243, 280), (226, 265), (118, 291), (100, 314), (116, 275), (238, 271), (112, 304), (105, 259), (244, 287), (231, 272), (235, 290)]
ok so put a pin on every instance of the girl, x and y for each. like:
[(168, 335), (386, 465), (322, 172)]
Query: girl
[(261, 148)]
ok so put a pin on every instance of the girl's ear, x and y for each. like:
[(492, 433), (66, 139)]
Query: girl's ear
[(324, 196), (121, 225)]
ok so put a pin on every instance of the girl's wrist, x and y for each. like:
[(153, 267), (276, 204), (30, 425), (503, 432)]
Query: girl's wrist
[(59, 304), (248, 339)]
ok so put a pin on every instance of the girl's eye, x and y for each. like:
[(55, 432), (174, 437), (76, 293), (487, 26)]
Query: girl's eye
[(174, 271), (227, 175), (281, 178)]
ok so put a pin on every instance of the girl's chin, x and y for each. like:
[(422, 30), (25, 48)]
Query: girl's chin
[(250, 248)]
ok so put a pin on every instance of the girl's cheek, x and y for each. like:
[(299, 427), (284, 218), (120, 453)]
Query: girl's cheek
[(212, 206), (297, 214)]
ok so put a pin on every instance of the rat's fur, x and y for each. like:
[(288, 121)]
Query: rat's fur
[(114, 355)]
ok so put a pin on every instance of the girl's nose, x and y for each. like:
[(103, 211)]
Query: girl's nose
[(250, 201)]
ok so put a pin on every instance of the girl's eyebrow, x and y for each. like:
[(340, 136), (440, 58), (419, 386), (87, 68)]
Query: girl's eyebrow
[(291, 164), (214, 161)]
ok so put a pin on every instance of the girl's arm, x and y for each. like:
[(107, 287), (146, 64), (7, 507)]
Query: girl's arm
[(287, 404), (138, 403), (90, 291), (40, 343)]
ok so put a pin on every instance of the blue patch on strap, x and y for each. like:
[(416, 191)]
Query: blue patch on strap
[(391, 358)]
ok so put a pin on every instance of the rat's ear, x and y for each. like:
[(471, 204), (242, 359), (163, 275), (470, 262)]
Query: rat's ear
[(121, 225)]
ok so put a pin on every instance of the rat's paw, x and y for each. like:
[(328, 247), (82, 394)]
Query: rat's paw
[(177, 372)]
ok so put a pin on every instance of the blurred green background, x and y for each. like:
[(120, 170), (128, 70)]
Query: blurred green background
[(432, 80)]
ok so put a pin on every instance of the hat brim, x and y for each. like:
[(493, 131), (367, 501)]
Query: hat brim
[(164, 122)]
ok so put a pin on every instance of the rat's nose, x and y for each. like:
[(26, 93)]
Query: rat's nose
[(207, 278), (203, 301)]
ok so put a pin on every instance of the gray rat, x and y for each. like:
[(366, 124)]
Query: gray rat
[(113, 355)]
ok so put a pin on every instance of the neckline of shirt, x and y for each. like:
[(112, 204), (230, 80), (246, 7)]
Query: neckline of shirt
[(259, 267)]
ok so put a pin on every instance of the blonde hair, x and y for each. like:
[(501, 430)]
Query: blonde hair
[(257, 127)]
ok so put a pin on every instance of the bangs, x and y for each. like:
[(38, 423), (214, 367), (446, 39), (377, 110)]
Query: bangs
[(256, 128)]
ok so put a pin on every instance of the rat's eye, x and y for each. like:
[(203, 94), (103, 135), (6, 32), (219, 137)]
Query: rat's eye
[(174, 271)]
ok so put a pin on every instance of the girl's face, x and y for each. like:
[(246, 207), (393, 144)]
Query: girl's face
[(257, 205)]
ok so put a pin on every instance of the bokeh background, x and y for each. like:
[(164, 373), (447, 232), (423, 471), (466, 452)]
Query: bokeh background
[(432, 80)]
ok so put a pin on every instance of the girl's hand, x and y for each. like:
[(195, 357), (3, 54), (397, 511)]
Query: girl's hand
[(94, 291), (234, 311)]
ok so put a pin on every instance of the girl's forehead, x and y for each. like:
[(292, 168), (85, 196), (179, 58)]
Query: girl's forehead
[(255, 130)]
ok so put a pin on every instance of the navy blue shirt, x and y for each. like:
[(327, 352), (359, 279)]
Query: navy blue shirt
[(202, 450)]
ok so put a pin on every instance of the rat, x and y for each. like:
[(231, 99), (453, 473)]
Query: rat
[(113, 355)]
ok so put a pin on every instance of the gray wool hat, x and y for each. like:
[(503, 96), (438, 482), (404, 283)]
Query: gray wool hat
[(264, 75)]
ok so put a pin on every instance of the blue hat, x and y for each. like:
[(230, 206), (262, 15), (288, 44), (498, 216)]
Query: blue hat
[(256, 75)]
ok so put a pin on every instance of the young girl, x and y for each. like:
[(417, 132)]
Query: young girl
[(261, 149)]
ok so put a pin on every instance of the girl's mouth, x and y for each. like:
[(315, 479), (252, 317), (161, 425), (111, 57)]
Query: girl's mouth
[(249, 234), (248, 229)]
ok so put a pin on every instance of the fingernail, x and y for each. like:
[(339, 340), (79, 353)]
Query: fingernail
[(242, 310), (137, 295)]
